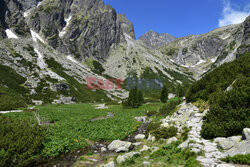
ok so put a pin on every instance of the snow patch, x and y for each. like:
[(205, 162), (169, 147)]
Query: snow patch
[(10, 34), (36, 36), (63, 32), (213, 60), (5, 112), (200, 62), (40, 61), (226, 37)]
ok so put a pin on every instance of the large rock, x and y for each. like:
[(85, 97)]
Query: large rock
[(242, 148), (122, 158), (110, 164), (173, 139), (227, 143), (119, 146), (140, 137), (246, 134)]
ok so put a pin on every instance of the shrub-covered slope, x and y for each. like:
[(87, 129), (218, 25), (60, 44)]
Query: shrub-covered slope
[(227, 89)]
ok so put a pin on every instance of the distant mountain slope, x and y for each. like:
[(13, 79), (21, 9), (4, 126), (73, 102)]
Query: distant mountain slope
[(154, 40), (201, 53)]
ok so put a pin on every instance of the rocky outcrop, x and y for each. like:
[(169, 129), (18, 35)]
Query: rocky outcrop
[(189, 116), (85, 29), (245, 44), (154, 40), (126, 26), (119, 146)]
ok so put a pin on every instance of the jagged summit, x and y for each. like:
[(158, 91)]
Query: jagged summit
[(154, 40)]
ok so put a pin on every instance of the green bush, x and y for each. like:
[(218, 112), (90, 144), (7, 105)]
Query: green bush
[(20, 142), (238, 159), (219, 79), (165, 133), (151, 113), (229, 112), (169, 108), (175, 156)]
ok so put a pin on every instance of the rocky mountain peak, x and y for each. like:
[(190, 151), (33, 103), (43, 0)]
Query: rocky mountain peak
[(154, 40)]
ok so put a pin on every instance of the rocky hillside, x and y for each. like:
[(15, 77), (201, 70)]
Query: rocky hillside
[(154, 40), (52, 46), (200, 53)]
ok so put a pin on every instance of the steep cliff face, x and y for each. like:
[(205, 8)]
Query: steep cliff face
[(154, 40), (85, 29), (127, 26), (245, 44)]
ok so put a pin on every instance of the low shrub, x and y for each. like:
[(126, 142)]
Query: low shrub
[(169, 108), (165, 133), (20, 142), (151, 113), (238, 159)]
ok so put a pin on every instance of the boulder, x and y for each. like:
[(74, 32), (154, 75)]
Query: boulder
[(119, 146), (136, 144), (227, 143), (151, 138), (173, 139), (145, 163), (241, 148), (103, 149), (140, 137), (145, 148), (124, 157), (110, 164), (141, 119), (246, 134)]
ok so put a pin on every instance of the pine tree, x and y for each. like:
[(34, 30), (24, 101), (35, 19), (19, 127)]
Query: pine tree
[(164, 94), (140, 97)]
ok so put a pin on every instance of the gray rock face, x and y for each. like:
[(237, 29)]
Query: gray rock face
[(126, 25), (11, 16), (119, 146), (86, 29), (154, 40), (246, 40)]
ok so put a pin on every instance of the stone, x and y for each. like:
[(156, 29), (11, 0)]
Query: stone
[(124, 157), (103, 149), (246, 134), (136, 144), (145, 163), (227, 143), (241, 148), (141, 119), (225, 165), (140, 137), (173, 139), (210, 148), (151, 138), (183, 145), (119, 146), (145, 148), (110, 164)]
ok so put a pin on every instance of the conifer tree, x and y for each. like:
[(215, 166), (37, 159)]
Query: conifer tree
[(140, 97), (164, 94)]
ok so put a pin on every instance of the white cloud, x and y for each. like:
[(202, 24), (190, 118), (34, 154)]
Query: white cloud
[(233, 16)]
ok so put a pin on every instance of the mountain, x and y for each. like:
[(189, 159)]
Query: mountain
[(154, 40), (49, 48), (201, 53)]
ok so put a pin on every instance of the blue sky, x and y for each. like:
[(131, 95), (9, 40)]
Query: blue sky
[(181, 17)]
